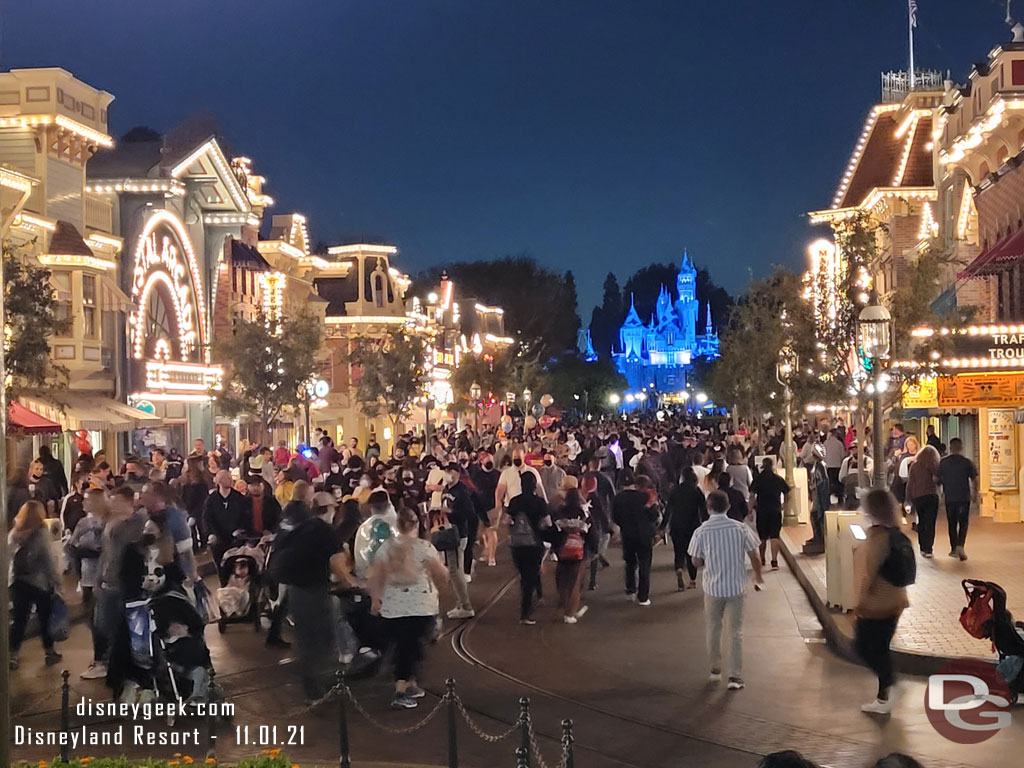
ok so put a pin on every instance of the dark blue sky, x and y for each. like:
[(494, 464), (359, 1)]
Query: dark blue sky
[(596, 135)]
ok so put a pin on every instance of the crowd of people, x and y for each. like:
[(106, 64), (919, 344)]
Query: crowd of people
[(358, 544)]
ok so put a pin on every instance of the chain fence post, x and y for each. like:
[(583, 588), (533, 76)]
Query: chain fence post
[(65, 717), (344, 760), (453, 742), (211, 720), (567, 744), (524, 732), (523, 757)]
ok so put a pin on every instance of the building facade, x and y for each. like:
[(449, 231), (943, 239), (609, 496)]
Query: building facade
[(658, 354)]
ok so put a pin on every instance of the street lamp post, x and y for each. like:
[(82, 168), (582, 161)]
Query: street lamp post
[(783, 371), (474, 394), (874, 339)]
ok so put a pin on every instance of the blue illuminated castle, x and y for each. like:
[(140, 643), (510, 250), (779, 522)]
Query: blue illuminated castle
[(659, 354)]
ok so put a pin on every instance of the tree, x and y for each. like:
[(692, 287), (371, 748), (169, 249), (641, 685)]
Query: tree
[(519, 285), (513, 369), (269, 364), (744, 376), (390, 376), (606, 318), (30, 321), (582, 386)]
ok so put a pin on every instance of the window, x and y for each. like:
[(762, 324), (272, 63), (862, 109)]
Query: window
[(234, 280), (1017, 72), (61, 282), (378, 291), (89, 305)]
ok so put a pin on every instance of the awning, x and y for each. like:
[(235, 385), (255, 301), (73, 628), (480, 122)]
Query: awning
[(93, 412), (1010, 248), (21, 420), (140, 418)]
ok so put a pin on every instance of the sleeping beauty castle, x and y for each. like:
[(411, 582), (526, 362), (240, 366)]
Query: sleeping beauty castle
[(659, 354)]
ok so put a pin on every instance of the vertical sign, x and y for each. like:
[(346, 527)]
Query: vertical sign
[(1002, 449)]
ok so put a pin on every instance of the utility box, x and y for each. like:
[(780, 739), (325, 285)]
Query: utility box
[(844, 532)]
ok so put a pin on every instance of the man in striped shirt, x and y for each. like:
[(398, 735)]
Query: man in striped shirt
[(723, 546)]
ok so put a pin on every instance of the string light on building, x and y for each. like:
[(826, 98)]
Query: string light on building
[(929, 227)]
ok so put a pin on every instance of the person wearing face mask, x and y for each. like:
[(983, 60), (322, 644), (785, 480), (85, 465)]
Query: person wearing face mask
[(334, 478), (510, 480), (485, 481), (459, 505), (225, 516), (551, 476), (434, 484)]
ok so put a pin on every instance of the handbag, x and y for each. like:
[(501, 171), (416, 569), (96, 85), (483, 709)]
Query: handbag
[(976, 617), (444, 536), (58, 623)]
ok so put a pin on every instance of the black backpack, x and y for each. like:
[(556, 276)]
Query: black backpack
[(900, 566)]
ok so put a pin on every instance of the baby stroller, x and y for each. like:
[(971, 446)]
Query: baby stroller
[(241, 578), (168, 651), (987, 618)]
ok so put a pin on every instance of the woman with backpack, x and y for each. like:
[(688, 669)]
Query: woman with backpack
[(886, 565), (923, 495), (572, 525), (530, 520)]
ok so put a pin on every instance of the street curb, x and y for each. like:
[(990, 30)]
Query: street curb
[(841, 642)]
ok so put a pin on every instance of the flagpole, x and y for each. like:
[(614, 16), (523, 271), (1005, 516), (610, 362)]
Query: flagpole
[(911, 21)]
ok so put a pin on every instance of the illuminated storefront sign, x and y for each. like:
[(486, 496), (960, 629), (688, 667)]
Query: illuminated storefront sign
[(981, 390), (923, 394), (165, 263)]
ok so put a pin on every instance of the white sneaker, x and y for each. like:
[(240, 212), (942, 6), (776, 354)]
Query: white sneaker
[(569, 619), (644, 603), (469, 578), (583, 609), (461, 613), (735, 684), (715, 677), (95, 671), (877, 707)]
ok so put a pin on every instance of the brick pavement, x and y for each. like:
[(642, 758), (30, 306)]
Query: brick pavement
[(930, 627)]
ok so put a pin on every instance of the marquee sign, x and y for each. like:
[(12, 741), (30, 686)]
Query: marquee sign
[(165, 262)]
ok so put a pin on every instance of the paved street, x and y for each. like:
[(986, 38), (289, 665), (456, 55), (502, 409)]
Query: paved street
[(631, 679)]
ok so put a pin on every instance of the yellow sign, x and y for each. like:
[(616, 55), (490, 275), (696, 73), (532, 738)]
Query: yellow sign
[(1002, 450), (923, 394), (971, 390)]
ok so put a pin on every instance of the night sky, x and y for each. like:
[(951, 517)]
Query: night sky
[(595, 135)]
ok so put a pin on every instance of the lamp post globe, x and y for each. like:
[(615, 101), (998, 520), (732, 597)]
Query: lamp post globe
[(474, 391)]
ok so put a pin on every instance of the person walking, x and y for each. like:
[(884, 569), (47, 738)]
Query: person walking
[(723, 547), (923, 493), (598, 490), (958, 477), (572, 525), (485, 481), (459, 506), (879, 603), (686, 510), (226, 516), (769, 490), (835, 452), (403, 582), (635, 511), (34, 579), (530, 520)]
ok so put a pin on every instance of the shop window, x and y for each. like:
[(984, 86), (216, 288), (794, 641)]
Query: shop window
[(89, 321)]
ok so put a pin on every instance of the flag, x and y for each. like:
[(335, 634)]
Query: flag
[(912, 8)]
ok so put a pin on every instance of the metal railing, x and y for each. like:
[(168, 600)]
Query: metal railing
[(527, 754)]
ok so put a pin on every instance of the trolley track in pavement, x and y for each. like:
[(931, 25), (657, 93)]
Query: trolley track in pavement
[(743, 733)]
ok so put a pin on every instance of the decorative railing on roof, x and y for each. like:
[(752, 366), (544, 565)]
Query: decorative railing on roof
[(896, 85)]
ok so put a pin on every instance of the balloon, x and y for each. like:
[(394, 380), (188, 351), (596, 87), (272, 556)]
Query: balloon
[(530, 422), (506, 425), (537, 410), (82, 442), (546, 400)]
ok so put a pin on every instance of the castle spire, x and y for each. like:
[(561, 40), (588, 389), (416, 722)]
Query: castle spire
[(709, 329)]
